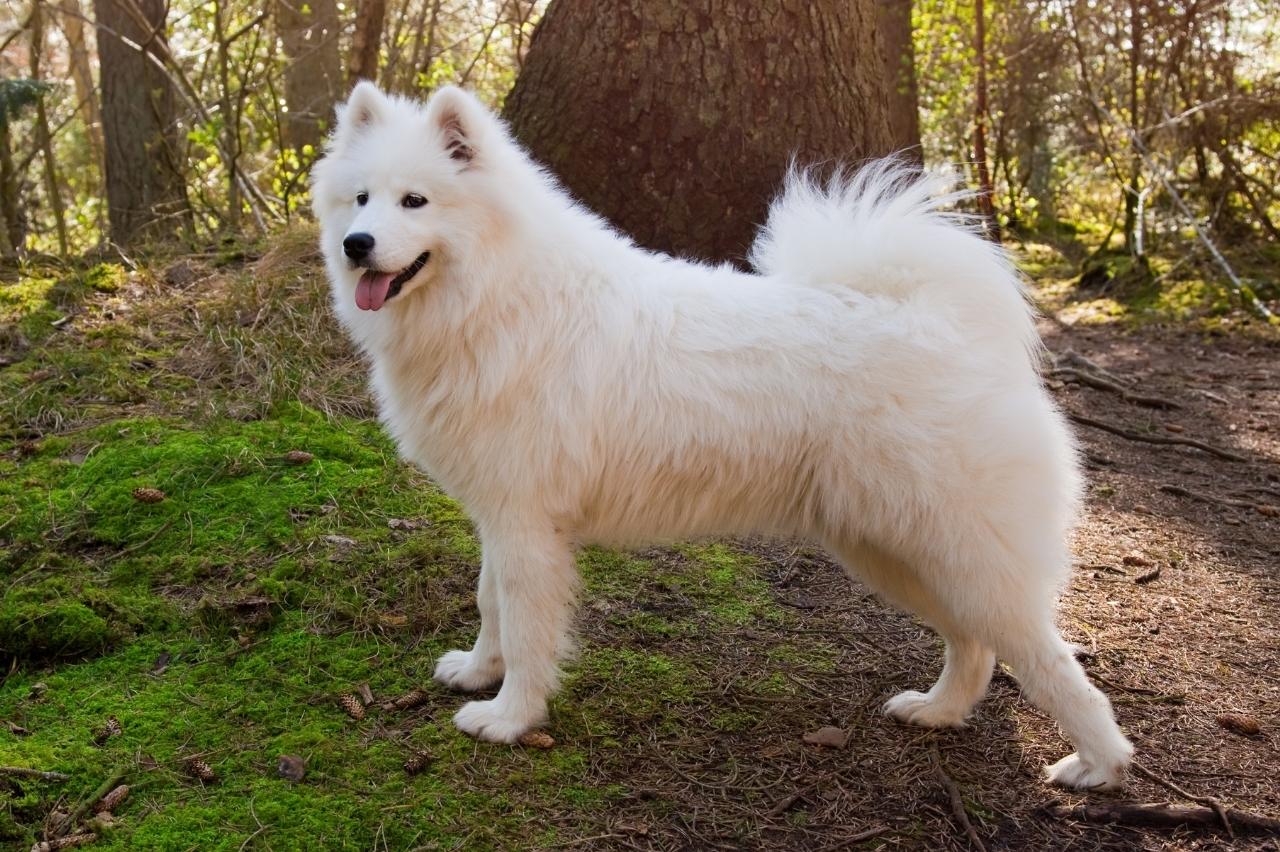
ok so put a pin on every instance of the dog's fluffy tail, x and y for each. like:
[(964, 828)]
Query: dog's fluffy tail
[(883, 230)]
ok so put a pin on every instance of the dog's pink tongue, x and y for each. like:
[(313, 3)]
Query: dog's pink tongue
[(371, 292)]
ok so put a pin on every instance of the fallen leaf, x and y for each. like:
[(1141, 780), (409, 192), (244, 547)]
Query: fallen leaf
[(366, 694), (162, 663), (537, 739), (828, 736), (1136, 559), (291, 768), (1238, 723)]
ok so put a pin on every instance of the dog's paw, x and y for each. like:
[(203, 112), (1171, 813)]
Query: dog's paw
[(918, 708), (1074, 774), (461, 670), (485, 720)]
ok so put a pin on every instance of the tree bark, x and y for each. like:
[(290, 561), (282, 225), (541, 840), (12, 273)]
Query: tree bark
[(365, 46), (44, 138), (986, 192), (1132, 209), (677, 120), (146, 195), (894, 20), (71, 21), (308, 31)]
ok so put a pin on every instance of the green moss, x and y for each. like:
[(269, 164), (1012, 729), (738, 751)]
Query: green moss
[(60, 618)]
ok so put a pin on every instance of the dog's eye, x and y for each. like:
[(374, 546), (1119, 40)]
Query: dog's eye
[(362, 198), (412, 200)]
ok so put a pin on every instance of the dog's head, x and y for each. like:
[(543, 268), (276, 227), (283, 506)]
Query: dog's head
[(400, 193)]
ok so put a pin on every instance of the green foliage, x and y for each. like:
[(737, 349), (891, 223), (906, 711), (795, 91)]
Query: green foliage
[(18, 94)]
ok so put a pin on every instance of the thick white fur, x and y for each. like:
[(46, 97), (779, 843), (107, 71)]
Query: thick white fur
[(872, 387)]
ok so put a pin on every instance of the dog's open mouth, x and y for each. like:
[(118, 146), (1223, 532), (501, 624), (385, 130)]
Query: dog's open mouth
[(376, 287)]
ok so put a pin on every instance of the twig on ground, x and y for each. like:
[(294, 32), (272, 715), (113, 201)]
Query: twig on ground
[(861, 836), (1207, 801), (957, 801), (1154, 694), (1161, 815), (75, 816), (1179, 491), (1210, 395), (1130, 435), (1071, 374), (24, 772)]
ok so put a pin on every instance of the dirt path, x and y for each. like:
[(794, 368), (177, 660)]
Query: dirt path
[(1176, 602)]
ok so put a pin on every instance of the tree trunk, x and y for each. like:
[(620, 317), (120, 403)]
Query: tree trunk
[(1132, 208), (145, 190), (71, 22), (677, 120), (12, 238), (365, 46), (986, 192), (893, 17), (308, 31), (44, 138)]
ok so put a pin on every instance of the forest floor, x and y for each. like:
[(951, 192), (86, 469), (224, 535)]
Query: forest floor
[(283, 558)]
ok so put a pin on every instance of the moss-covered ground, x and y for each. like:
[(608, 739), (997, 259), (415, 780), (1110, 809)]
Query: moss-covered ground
[(222, 619)]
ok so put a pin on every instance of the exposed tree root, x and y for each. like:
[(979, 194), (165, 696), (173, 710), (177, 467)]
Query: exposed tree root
[(1071, 374), (1161, 815), (1130, 435)]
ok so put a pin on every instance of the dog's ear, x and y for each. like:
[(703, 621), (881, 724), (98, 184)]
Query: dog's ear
[(460, 120), (364, 108)]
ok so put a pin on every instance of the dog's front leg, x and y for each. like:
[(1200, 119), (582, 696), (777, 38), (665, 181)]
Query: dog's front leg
[(535, 578), (482, 666)]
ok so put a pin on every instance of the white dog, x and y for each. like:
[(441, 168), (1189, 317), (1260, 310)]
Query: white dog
[(872, 387)]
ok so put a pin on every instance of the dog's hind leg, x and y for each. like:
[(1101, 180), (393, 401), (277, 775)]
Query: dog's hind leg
[(1004, 599), (968, 663), (482, 666), (536, 581), (1054, 681)]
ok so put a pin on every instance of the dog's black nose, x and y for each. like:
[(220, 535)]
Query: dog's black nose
[(358, 246)]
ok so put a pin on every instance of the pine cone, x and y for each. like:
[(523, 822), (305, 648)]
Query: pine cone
[(148, 495), (412, 698), (201, 771), (298, 457), (111, 729), (67, 842), (353, 706), (418, 761), (113, 799)]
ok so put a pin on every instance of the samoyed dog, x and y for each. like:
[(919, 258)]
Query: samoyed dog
[(872, 386)]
